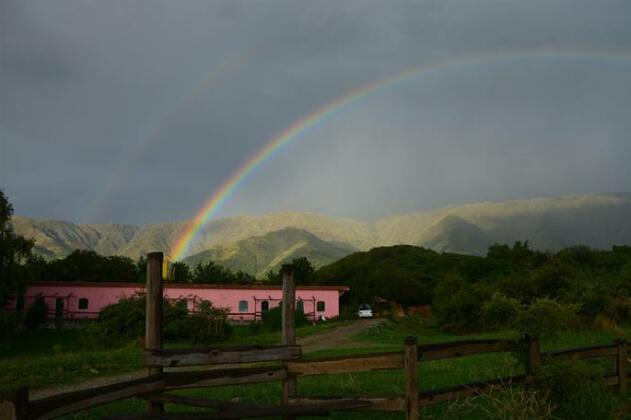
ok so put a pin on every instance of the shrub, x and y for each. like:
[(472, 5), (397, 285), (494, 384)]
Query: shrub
[(576, 391), (9, 324), (36, 314), (503, 402), (500, 311), (125, 321), (546, 318), (273, 319)]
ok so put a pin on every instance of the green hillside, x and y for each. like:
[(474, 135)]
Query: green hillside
[(261, 254)]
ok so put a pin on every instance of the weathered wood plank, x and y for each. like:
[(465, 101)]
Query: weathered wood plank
[(463, 348), (585, 352), (447, 394), (13, 404), (290, 386), (611, 380), (411, 378), (622, 367), (153, 318), (218, 355), (238, 410), (58, 405), (349, 364), (376, 403), (222, 377)]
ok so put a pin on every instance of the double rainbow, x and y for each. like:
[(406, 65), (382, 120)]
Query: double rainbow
[(276, 144)]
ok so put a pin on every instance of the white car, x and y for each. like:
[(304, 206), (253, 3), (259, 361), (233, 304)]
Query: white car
[(364, 311)]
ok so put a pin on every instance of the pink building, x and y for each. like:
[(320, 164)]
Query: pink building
[(81, 300)]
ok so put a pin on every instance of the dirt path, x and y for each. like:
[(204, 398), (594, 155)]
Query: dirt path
[(339, 337), (336, 338)]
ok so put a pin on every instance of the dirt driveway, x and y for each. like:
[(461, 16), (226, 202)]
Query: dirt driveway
[(339, 337)]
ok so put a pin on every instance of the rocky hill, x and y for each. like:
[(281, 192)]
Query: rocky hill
[(257, 243)]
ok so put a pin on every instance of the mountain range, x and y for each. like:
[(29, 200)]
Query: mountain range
[(257, 244)]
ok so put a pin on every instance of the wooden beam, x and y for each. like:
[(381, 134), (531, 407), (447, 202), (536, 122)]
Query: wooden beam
[(376, 403), (224, 377), (290, 386), (153, 317), (13, 404), (62, 404), (586, 352), (411, 378), (463, 348), (622, 367), (346, 364), (534, 356), (220, 355), (238, 410)]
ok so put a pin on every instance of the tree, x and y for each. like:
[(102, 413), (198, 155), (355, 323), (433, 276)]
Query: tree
[(181, 272), (15, 253)]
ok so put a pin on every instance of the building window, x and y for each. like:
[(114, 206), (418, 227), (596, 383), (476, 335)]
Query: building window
[(321, 306), (83, 303), (264, 306), (243, 306), (300, 306)]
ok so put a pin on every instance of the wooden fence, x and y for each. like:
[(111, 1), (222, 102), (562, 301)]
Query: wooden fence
[(284, 363)]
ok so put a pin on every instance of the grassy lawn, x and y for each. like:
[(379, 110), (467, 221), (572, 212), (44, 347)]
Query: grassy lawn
[(46, 358)]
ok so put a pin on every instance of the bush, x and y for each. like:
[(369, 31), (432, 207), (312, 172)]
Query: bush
[(500, 311), (124, 321), (273, 319), (503, 402), (546, 318), (9, 324), (36, 314), (576, 391)]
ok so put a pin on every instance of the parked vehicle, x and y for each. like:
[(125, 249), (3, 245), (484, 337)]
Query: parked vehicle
[(365, 311)]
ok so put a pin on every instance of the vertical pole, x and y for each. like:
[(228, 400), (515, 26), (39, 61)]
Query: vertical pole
[(534, 356), (289, 326), (13, 404), (153, 319), (412, 410), (621, 367)]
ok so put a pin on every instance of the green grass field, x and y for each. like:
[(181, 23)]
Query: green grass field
[(46, 358)]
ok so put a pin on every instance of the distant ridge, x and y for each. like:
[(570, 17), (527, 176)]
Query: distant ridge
[(596, 220)]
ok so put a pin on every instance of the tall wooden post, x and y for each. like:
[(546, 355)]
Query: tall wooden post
[(289, 326), (534, 356), (13, 404), (153, 319), (621, 367), (412, 410)]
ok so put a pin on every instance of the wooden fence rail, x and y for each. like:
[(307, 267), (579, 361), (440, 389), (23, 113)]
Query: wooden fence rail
[(289, 368), (217, 355)]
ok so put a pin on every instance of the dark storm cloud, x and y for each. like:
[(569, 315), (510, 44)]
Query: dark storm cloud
[(137, 111)]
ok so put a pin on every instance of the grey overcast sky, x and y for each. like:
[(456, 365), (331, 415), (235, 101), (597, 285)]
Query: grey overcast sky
[(137, 111)]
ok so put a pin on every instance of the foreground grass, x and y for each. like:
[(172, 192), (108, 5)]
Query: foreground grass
[(59, 360)]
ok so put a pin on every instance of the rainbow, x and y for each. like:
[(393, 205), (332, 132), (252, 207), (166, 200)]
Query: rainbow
[(293, 132)]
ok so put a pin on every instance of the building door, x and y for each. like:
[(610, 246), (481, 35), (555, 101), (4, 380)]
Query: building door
[(264, 306), (59, 308)]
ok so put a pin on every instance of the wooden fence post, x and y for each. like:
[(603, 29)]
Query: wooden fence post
[(153, 319), (13, 404), (289, 326), (621, 367), (412, 410), (534, 357)]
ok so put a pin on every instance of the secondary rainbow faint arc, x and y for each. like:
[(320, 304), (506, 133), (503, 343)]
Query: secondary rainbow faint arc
[(292, 132)]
